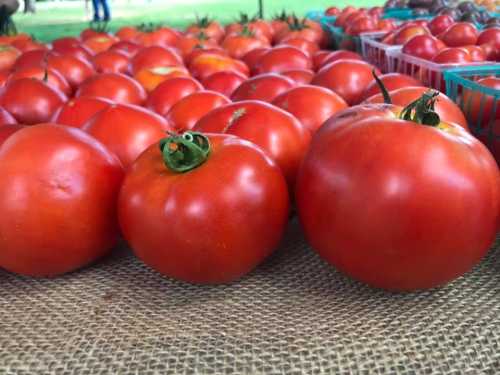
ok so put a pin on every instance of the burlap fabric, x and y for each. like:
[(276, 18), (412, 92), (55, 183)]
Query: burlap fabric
[(293, 315)]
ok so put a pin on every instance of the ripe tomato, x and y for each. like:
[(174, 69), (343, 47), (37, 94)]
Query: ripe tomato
[(440, 24), (101, 43), (126, 130), (6, 130), (311, 105), (8, 56), (453, 56), (186, 44), (211, 28), (332, 11), (277, 132), (319, 58), (312, 32), (405, 33), (128, 48), (31, 101), (167, 93), (113, 86), (6, 118), (72, 176), (161, 37), (264, 87), (154, 56), (282, 58), (238, 45), (299, 76), (235, 202), (460, 34), (348, 78), (72, 68), (481, 109), (476, 53), (80, 51), (76, 112), (67, 41), (423, 46), (50, 76), (391, 81), (306, 46), (186, 112), (491, 35), (207, 64), (127, 33), (364, 24), (150, 78), (444, 106), (111, 62), (340, 55), (252, 57), (224, 82), (382, 217), (202, 50)]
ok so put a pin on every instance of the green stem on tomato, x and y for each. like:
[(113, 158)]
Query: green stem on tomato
[(182, 153), (383, 89), (422, 110)]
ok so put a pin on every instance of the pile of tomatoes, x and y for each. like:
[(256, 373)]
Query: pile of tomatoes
[(195, 146)]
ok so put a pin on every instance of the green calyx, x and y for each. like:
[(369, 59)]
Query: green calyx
[(282, 16), (297, 24), (422, 110), (203, 22), (184, 152)]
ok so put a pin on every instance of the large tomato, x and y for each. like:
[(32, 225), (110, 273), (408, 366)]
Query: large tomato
[(224, 82), (6, 131), (399, 205), (460, 34), (440, 23), (405, 33), (277, 132), (490, 35), (75, 70), (58, 200), (113, 86), (186, 112), (154, 56), (281, 58), (238, 45), (186, 44), (167, 93), (311, 105), (76, 112), (50, 76), (306, 46), (207, 64), (423, 46), (348, 78), (100, 43), (391, 81), (339, 55), (208, 219), (264, 87), (8, 56), (299, 76), (127, 48), (252, 57), (79, 51), (444, 106), (127, 130), (211, 28), (150, 78), (6, 118), (111, 62), (31, 101)]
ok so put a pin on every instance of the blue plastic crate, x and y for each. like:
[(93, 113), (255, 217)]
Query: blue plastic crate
[(340, 40), (403, 14), (319, 16)]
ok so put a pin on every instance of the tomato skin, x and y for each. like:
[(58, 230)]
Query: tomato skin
[(31, 101), (230, 233), (127, 33), (440, 23), (299, 76), (311, 105), (224, 82), (340, 55), (205, 65), (213, 30), (277, 132), (447, 110), (154, 56), (460, 34), (238, 45), (282, 58), (391, 81), (453, 56), (189, 43), (77, 111), (79, 51), (200, 51), (167, 93), (54, 78), (406, 33), (477, 54), (348, 78), (6, 118), (306, 46), (480, 108), (111, 62), (72, 176), (252, 57), (116, 87), (150, 78), (7, 130), (319, 58), (423, 46), (264, 87), (127, 130), (99, 44), (382, 217), (186, 112), (8, 56), (127, 48), (491, 35)]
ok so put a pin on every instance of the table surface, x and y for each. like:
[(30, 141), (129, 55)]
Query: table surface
[(293, 315)]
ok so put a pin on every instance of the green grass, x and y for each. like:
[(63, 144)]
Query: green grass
[(54, 19)]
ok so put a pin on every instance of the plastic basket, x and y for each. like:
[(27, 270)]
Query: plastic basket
[(404, 14), (480, 104), (319, 16), (427, 72), (375, 52), (340, 40)]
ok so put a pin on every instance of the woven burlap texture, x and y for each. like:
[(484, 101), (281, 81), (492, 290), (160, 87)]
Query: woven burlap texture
[(293, 315)]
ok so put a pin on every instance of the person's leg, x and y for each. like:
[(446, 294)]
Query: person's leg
[(95, 5), (105, 7)]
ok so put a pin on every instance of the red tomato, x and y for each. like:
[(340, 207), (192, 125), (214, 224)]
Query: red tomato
[(440, 24), (476, 53), (423, 46), (340, 55), (53, 79), (491, 35), (235, 202), (75, 71), (311, 105), (111, 62), (90, 33), (162, 37), (150, 78), (277, 132), (319, 58), (67, 41), (81, 52), (364, 24), (98, 44), (460, 34), (382, 217), (332, 11), (186, 112), (6, 118), (282, 58), (300, 76), (25, 45), (264, 87), (76, 112), (127, 130), (348, 78), (127, 33), (491, 52), (205, 65), (310, 32), (444, 106), (128, 48), (6, 130), (188, 43), (481, 109), (306, 46), (386, 25), (252, 58), (8, 56), (391, 81), (31, 101), (453, 56), (113, 86), (72, 176), (200, 51), (224, 82), (211, 28), (238, 45), (170, 92), (405, 33), (154, 56)]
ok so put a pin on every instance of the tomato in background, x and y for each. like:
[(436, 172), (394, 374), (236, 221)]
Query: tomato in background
[(282, 58), (406, 33), (186, 112), (111, 62), (224, 82), (211, 28), (460, 34), (127, 33), (77, 111), (161, 37), (154, 56), (201, 51), (187, 43), (476, 53), (150, 78), (127, 130), (238, 45), (264, 87), (440, 24), (71, 176), (300, 76), (80, 52), (391, 81), (8, 56), (453, 56), (113, 86), (340, 55), (422, 46), (50, 76), (128, 48), (490, 35), (482, 109), (156, 211), (207, 64), (306, 46), (99, 43)]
